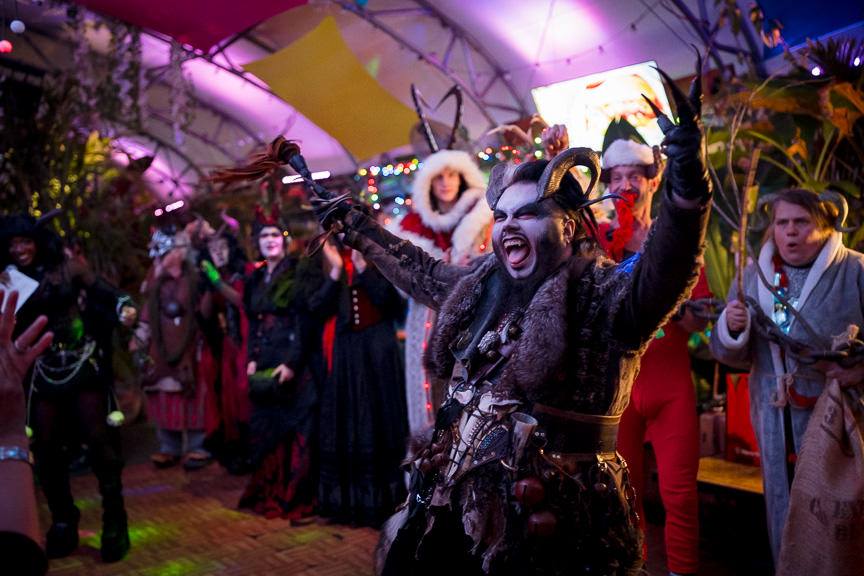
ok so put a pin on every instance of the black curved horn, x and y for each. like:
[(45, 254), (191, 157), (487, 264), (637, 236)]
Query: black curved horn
[(456, 92), (427, 130)]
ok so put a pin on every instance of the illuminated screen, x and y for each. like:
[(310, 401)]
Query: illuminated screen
[(588, 104)]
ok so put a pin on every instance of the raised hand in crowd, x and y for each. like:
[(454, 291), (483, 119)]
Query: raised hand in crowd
[(19, 525)]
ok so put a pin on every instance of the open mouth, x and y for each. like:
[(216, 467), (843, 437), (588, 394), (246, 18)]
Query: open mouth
[(517, 251)]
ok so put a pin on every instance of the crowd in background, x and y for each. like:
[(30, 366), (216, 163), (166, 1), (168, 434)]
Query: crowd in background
[(287, 367)]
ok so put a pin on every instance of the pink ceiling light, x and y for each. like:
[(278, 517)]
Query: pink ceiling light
[(198, 23)]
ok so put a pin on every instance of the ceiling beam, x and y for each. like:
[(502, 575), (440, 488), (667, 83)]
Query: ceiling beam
[(470, 46)]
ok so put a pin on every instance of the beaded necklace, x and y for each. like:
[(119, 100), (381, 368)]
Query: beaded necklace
[(781, 314)]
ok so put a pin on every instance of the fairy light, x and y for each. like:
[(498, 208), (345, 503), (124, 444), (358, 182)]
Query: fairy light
[(372, 177), (427, 328)]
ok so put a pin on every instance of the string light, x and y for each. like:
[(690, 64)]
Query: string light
[(489, 156), (371, 178)]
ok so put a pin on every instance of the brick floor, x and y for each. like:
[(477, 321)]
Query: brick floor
[(187, 523)]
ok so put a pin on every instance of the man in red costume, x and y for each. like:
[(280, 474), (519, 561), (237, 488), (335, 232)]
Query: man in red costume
[(662, 407)]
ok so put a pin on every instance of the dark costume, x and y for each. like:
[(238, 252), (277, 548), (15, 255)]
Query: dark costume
[(572, 367), (662, 407), (224, 360), (70, 386), (363, 420), (172, 312), (283, 329), (521, 474)]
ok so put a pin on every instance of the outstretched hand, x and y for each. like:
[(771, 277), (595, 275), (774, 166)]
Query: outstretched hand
[(684, 143), (16, 356)]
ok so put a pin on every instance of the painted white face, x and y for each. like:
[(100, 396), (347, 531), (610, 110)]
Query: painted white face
[(445, 186), (627, 180), (219, 251), (796, 234), (272, 242), (530, 238)]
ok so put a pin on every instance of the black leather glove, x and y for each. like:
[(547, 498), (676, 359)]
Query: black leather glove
[(329, 208), (684, 143)]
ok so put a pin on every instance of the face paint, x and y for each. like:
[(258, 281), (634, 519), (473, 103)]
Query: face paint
[(271, 242), (531, 239)]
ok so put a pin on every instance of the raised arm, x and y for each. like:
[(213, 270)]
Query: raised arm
[(422, 277), (109, 298), (667, 270), (19, 525)]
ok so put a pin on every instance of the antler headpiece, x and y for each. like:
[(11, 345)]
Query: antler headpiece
[(419, 102)]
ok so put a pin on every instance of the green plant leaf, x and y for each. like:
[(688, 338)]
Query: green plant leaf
[(719, 263)]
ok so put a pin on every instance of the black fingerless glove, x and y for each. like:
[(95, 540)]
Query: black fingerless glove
[(329, 208)]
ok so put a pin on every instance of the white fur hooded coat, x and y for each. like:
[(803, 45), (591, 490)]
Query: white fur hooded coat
[(467, 223)]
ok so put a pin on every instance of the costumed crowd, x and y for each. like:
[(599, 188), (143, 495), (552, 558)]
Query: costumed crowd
[(506, 434)]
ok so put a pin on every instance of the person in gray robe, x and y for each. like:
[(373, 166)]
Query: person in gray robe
[(805, 262)]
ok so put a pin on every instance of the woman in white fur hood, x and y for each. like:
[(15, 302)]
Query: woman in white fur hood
[(449, 215)]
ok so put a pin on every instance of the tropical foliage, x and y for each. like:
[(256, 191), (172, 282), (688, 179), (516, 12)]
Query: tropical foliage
[(58, 134), (794, 129)]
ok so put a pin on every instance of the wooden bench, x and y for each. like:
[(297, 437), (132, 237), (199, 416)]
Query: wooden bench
[(721, 472)]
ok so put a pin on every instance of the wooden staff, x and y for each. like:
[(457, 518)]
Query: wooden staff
[(742, 229)]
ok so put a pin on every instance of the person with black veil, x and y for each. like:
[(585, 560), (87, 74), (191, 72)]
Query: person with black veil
[(70, 385)]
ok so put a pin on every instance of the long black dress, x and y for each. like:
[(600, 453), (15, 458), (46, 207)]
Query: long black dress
[(363, 416), (284, 421)]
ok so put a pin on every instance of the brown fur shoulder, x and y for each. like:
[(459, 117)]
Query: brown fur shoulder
[(454, 316)]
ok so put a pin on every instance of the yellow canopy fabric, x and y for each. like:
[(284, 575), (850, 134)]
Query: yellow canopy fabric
[(320, 77)]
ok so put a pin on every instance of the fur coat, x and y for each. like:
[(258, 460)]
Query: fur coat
[(582, 335), (831, 299)]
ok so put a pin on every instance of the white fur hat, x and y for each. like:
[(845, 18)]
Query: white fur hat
[(631, 153)]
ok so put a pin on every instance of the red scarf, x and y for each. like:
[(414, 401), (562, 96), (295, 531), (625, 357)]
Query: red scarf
[(622, 234)]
